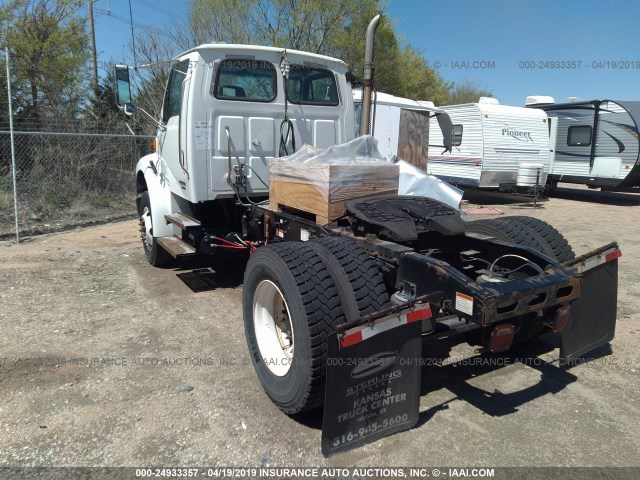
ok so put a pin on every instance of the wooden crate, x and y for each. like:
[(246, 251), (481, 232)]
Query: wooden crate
[(323, 189)]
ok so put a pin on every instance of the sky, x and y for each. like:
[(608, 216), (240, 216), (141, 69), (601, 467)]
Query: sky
[(563, 48)]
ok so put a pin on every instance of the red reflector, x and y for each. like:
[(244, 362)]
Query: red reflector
[(352, 339), (562, 318), (502, 337), (418, 315), (610, 256)]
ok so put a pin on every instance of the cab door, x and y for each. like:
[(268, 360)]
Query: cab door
[(172, 139)]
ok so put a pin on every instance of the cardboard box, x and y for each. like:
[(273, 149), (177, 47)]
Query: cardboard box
[(322, 189)]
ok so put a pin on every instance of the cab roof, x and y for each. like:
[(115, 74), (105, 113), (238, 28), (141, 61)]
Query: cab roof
[(238, 49)]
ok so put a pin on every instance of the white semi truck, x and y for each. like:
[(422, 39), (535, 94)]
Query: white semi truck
[(334, 314)]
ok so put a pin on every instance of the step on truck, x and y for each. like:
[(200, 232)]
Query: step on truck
[(336, 313)]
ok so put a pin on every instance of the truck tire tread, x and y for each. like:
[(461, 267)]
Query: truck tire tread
[(362, 279), (322, 309)]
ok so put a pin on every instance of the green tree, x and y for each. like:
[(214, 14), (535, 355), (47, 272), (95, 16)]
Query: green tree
[(49, 54), (467, 92), (103, 104), (349, 45), (419, 81)]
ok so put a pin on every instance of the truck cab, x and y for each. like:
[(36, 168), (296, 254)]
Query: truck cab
[(228, 102), (227, 110)]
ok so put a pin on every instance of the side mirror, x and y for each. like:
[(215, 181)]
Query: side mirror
[(129, 109), (123, 88)]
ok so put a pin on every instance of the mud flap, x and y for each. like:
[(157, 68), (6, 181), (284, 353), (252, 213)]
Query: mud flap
[(592, 320), (373, 381)]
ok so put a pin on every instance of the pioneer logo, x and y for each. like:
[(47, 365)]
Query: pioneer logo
[(374, 364), (517, 134)]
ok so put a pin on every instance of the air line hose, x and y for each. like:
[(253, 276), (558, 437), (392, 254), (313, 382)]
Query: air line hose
[(286, 127)]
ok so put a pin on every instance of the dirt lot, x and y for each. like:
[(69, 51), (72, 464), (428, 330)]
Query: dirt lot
[(180, 389)]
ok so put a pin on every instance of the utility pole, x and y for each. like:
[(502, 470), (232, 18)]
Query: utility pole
[(94, 54)]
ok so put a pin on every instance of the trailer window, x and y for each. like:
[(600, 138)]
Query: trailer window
[(245, 80), (173, 95), (579, 136), (311, 86), (457, 135)]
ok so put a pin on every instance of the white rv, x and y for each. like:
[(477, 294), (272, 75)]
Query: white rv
[(594, 143), (402, 126), (491, 143)]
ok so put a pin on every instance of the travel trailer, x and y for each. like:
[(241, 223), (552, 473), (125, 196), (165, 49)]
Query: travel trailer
[(402, 126), (491, 144), (593, 143)]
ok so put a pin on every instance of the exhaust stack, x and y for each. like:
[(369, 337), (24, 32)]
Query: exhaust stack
[(367, 77)]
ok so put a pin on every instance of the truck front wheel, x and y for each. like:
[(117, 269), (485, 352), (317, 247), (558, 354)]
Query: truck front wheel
[(291, 306), (155, 254)]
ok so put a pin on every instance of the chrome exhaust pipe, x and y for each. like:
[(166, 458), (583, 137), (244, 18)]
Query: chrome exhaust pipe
[(367, 77)]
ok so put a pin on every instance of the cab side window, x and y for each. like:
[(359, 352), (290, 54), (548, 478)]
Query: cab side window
[(173, 95)]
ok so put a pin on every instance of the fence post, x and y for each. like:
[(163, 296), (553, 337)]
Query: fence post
[(13, 147)]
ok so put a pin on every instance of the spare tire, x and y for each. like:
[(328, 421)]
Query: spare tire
[(526, 231)]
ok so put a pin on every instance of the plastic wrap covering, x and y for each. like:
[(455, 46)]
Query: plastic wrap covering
[(340, 172), (414, 181)]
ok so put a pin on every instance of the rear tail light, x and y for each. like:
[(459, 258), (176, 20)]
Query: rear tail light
[(502, 337), (562, 318)]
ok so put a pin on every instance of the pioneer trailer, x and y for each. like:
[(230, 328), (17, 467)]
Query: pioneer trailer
[(490, 143), (594, 143), (335, 309)]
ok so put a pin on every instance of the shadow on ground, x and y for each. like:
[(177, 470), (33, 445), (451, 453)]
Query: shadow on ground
[(455, 378), (597, 196), (483, 197), (203, 274)]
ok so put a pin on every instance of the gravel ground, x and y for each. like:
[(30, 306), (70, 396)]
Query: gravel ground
[(106, 361)]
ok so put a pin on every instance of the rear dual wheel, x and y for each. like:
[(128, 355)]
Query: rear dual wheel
[(294, 296), (527, 231)]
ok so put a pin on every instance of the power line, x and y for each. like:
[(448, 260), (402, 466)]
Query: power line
[(161, 10), (125, 20)]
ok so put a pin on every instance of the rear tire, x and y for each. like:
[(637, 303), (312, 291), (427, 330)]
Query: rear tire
[(156, 255), (526, 231), (360, 283), (306, 313), (558, 245)]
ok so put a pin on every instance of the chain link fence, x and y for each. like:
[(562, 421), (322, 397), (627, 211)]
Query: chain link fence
[(68, 172), (65, 179)]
